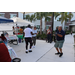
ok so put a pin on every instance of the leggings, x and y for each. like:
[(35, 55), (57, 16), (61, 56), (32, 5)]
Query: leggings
[(34, 40), (49, 37), (30, 41)]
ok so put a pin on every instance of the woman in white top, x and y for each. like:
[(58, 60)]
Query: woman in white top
[(34, 37), (28, 37)]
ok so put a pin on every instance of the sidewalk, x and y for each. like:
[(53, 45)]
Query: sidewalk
[(45, 52), (68, 52)]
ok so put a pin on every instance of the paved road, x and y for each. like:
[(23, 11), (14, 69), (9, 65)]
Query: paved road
[(45, 52)]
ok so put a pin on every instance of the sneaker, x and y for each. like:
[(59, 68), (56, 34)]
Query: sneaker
[(34, 47), (26, 51), (57, 53), (30, 50), (60, 54)]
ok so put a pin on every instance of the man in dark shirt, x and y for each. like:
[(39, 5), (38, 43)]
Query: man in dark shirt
[(54, 34), (59, 41)]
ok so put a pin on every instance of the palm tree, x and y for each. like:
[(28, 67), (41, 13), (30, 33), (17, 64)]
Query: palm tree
[(64, 17), (32, 18), (52, 14), (46, 14), (27, 17), (23, 15), (40, 15)]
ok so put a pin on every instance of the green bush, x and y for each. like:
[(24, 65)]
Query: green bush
[(74, 32), (38, 36), (68, 32), (43, 36)]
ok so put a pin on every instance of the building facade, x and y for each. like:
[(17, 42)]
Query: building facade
[(9, 14)]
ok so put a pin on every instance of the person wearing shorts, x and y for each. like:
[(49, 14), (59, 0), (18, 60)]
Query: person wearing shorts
[(60, 34), (28, 37)]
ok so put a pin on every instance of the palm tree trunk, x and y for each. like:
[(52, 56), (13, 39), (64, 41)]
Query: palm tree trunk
[(23, 15), (41, 26), (45, 27), (52, 22), (62, 20)]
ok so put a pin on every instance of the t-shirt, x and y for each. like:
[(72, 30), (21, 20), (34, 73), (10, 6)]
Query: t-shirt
[(62, 33), (34, 31), (27, 32), (4, 54), (49, 31), (21, 31)]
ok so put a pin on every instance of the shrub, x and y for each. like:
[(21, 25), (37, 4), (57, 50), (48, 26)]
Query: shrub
[(68, 32), (74, 32), (38, 36), (43, 36)]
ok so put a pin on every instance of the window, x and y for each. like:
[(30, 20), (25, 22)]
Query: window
[(38, 26), (2, 14), (13, 15)]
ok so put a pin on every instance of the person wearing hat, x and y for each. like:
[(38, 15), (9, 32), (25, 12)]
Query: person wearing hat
[(28, 37)]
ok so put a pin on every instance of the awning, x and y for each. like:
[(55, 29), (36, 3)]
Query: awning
[(21, 22), (5, 20)]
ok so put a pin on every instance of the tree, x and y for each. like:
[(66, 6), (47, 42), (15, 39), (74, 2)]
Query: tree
[(30, 18), (64, 17), (46, 14), (23, 15), (27, 17), (53, 14), (40, 15)]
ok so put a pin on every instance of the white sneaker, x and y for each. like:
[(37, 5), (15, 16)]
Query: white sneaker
[(26, 51), (34, 46)]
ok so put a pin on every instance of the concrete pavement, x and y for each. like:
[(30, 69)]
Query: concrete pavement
[(45, 52), (68, 50)]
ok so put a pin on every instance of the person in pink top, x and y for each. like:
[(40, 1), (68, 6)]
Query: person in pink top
[(49, 35)]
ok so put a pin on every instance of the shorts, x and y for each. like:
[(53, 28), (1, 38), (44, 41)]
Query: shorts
[(59, 44)]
